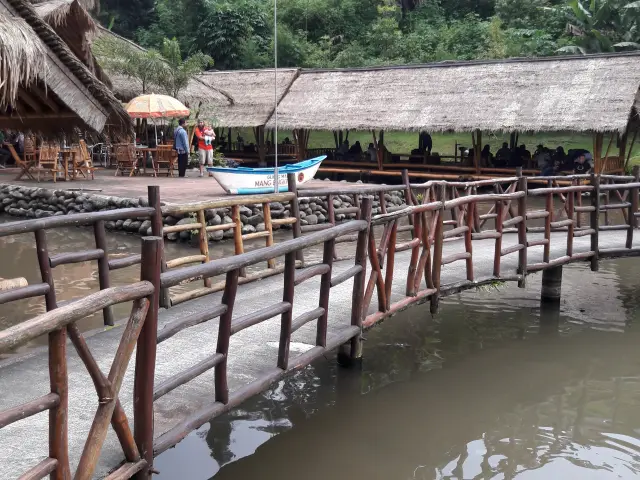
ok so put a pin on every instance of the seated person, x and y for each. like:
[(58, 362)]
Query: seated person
[(343, 150), (502, 156), (355, 151), (581, 165), (286, 141), (372, 153), (17, 140), (525, 154), (515, 158), (542, 159), (559, 157), (486, 157)]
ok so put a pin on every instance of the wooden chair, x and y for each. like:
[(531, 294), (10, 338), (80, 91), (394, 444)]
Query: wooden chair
[(25, 165), (167, 158), (126, 159), (84, 161), (48, 160)]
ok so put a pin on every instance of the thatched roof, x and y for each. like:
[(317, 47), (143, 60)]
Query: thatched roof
[(585, 93), (46, 86), (253, 93), (73, 23)]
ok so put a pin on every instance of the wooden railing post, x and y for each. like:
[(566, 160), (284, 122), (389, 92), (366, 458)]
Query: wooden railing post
[(224, 336), (237, 234), (103, 267), (151, 265), (633, 208), (595, 222), (522, 228), (325, 290), (357, 296), (153, 195), (58, 378), (438, 241), (286, 318), (408, 199), (203, 240), (295, 212)]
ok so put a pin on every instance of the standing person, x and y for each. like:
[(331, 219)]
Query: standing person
[(425, 143), (206, 136), (181, 145)]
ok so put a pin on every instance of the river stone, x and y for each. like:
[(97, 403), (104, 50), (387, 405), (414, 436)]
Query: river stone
[(57, 214), (337, 203), (276, 206), (23, 204), (169, 220), (143, 201), (227, 220), (7, 201), (248, 229), (100, 202), (246, 211), (260, 227), (110, 225), (144, 227), (185, 235), (303, 221), (172, 237), (340, 217), (17, 194), (255, 220), (321, 218), (312, 219), (43, 214), (88, 206), (216, 236), (209, 214), (228, 233), (216, 220), (127, 224), (119, 224)]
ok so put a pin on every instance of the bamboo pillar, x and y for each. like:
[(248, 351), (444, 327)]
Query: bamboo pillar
[(477, 149), (597, 152)]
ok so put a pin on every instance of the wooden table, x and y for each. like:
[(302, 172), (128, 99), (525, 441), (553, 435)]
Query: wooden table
[(154, 153), (69, 155)]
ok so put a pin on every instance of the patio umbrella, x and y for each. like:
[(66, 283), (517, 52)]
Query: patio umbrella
[(156, 106)]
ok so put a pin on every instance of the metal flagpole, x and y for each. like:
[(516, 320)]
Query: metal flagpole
[(276, 178)]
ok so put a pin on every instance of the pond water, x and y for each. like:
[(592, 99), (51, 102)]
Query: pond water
[(492, 387)]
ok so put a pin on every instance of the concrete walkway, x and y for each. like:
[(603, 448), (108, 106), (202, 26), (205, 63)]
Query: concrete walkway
[(252, 351)]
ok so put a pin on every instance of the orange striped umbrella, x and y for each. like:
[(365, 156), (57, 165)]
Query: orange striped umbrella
[(156, 106)]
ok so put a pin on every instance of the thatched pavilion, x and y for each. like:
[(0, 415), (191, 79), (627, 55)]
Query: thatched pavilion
[(594, 93), (46, 88)]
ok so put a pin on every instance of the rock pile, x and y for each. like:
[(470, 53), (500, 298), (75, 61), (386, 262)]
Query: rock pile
[(35, 202)]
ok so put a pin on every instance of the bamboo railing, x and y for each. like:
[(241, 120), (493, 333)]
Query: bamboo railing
[(439, 229)]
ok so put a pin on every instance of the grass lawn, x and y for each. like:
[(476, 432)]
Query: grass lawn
[(444, 143)]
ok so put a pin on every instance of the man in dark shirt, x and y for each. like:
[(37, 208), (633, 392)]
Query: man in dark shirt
[(581, 165)]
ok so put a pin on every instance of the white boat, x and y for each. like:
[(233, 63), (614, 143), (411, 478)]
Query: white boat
[(247, 181)]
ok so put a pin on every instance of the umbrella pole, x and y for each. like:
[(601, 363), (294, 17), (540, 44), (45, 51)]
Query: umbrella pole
[(276, 177)]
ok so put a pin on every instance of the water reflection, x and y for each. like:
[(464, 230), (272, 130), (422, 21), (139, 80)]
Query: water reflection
[(484, 390)]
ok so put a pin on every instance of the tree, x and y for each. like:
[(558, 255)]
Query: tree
[(602, 26), (164, 70), (127, 16), (180, 72), (119, 57)]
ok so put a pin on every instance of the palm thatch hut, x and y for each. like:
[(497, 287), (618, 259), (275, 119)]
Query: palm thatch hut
[(46, 88), (72, 21), (593, 93)]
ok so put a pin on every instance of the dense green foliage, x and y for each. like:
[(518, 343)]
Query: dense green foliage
[(343, 33)]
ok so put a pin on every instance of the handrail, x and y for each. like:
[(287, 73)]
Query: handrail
[(24, 332), (225, 265), (72, 220)]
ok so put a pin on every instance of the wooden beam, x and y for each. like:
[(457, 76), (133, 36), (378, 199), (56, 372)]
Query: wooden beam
[(29, 100), (606, 155), (44, 98)]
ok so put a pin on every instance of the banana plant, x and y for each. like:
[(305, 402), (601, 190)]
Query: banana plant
[(602, 26)]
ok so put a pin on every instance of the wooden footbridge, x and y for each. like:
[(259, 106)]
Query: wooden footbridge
[(200, 354)]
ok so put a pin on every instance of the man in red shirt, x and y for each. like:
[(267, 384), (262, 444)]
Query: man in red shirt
[(206, 136)]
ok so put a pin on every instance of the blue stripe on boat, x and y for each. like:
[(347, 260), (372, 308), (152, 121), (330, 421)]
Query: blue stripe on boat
[(253, 191), (293, 168)]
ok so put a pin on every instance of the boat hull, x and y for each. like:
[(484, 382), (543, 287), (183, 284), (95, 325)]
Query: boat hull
[(247, 181)]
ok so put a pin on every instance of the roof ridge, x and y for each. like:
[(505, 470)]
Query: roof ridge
[(463, 63)]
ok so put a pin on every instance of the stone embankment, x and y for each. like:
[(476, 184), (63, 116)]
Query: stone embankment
[(35, 202)]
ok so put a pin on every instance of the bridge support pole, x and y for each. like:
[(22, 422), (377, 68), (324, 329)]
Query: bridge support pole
[(551, 285), (350, 353)]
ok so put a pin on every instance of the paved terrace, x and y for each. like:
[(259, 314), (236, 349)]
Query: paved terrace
[(172, 189), (252, 352)]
